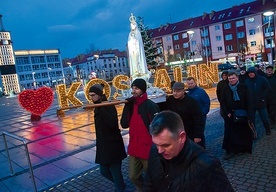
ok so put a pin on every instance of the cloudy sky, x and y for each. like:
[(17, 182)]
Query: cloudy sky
[(74, 26)]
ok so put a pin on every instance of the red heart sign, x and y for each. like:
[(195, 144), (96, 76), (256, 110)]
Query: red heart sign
[(36, 101)]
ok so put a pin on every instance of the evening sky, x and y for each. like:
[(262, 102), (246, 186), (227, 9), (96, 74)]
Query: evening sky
[(75, 26)]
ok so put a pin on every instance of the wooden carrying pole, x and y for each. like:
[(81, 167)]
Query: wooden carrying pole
[(105, 103), (60, 111)]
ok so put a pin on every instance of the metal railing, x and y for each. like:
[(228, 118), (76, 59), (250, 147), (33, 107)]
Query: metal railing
[(27, 155)]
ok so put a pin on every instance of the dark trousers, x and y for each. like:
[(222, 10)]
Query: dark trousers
[(202, 142), (264, 117), (272, 115), (114, 174)]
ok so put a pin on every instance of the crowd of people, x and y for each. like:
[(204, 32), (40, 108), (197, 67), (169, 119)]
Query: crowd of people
[(166, 140)]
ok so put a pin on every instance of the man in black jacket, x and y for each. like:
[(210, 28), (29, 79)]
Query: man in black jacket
[(189, 111), (178, 164), (259, 88), (109, 142), (271, 101)]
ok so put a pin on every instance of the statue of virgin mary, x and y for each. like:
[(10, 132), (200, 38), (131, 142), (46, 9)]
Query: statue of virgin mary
[(136, 53)]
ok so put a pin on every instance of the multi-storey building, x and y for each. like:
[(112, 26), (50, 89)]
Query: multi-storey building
[(242, 32), (104, 64), (9, 79), (36, 68)]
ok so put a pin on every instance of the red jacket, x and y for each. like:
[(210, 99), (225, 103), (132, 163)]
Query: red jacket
[(139, 138)]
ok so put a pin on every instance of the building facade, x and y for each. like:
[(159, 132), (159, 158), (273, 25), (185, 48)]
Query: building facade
[(37, 68), (105, 64), (9, 79), (241, 33)]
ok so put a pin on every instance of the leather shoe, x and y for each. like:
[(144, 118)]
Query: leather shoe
[(228, 156)]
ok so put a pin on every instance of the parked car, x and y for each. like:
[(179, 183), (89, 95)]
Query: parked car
[(226, 66)]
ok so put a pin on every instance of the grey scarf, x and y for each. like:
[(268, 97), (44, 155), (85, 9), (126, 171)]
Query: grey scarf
[(234, 90)]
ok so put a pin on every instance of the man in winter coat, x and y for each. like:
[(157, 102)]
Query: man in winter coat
[(271, 101), (221, 84), (259, 88), (189, 110), (178, 164), (137, 115), (238, 136), (110, 146), (202, 99)]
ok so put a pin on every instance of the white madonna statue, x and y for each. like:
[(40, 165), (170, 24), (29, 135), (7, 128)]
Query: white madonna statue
[(136, 53)]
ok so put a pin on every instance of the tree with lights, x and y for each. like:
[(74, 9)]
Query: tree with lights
[(150, 51)]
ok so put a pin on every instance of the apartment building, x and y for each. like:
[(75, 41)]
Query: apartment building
[(105, 64), (240, 33), (9, 79), (37, 68)]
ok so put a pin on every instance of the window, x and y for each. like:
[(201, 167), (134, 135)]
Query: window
[(52, 58), (251, 20), (35, 67), (252, 32), (175, 37), (240, 35), (241, 11), (205, 42), (227, 26), (239, 23), (169, 47), (218, 38), (253, 43), (22, 60), (43, 66), (228, 37), (184, 35), (219, 48), (204, 32), (185, 45), (229, 48), (20, 68), (21, 77), (176, 47), (217, 28), (194, 42), (168, 38)]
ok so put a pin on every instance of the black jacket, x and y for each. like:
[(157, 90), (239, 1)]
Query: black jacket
[(190, 113), (259, 88), (272, 93), (220, 86), (193, 170), (109, 142)]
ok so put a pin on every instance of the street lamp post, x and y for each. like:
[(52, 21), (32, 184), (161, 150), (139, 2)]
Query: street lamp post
[(49, 77), (191, 34), (269, 14), (71, 72), (96, 57), (34, 84)]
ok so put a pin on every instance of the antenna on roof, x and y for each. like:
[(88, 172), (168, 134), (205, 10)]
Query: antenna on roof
[(1, 24)]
